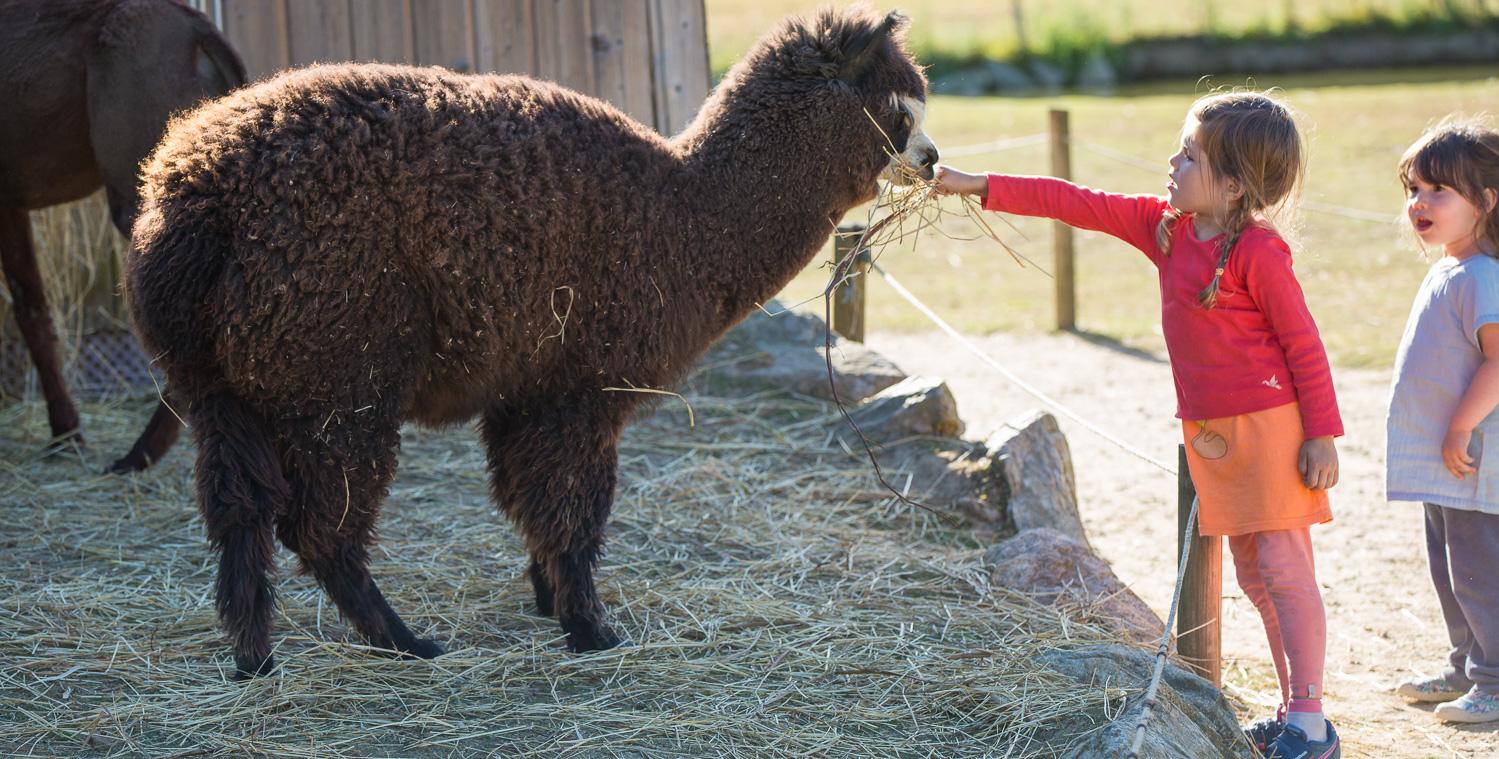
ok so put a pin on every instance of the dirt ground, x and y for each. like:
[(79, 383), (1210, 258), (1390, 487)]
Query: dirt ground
[(1383, 619)]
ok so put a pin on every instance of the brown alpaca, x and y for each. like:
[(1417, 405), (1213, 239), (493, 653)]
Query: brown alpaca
[(330, 253), (87, 87)]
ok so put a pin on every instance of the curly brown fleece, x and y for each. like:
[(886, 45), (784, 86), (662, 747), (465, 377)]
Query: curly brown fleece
[(339, 249)]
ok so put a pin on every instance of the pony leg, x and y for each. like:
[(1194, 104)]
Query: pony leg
[(554, 475), (160, 433), (240, 489), (339, 477), (29, 301)]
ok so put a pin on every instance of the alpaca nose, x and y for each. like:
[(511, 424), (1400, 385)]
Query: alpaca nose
[(929, 157)]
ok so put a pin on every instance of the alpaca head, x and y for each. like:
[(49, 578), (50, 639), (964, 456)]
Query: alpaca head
[(838, 93)]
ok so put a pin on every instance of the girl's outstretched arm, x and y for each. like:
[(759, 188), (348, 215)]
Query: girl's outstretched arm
[(1131, 218)]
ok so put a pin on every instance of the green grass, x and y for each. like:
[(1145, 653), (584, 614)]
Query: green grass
[(1359, 276), (947, 33)]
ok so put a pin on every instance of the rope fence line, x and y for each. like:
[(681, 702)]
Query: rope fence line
[(1056, 405)]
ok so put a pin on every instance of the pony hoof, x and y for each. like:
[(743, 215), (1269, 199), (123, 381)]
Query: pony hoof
[(245, 669), (582, 638), (128, 464)]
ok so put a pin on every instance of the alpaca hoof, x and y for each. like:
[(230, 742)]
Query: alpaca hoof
[(583, 637), (544, 607), (245, 668), (423, 648)]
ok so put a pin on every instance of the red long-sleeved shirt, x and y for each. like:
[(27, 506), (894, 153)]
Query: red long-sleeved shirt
[(1258, 348)]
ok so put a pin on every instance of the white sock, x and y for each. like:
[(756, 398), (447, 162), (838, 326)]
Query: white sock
[(1313, 723)]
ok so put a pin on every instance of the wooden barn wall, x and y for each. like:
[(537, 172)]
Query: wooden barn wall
[(649, 57)]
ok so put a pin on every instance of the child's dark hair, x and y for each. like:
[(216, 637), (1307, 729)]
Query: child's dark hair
[(1251, 139), (1463, 155)]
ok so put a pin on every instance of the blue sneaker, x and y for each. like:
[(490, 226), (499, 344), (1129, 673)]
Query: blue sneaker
[(1261, 733), (1292, 743)]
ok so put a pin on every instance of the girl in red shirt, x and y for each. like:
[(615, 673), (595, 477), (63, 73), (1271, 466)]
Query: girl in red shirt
[(1253, 387)]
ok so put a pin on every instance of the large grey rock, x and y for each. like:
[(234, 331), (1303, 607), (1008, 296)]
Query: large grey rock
[(1191, 717), (1004, 77), (786, 351), (913, 407), (1036, 465), (1054, 568)]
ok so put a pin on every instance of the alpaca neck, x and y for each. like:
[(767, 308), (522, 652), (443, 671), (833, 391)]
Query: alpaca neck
[(764, 216)]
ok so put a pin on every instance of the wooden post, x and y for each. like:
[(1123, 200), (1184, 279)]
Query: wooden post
[(1199, 636), (1061, 234), (848, 298)]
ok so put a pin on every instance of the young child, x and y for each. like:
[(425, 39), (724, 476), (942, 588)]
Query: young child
[(1446, 386), (1253, 387)]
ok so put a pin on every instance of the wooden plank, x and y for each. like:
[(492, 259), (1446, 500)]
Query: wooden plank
[(679, 39), (564, 43), (622, 57), (505, 36), (381, 30), (442, 33), (319, 30), (1061, 234), (257, 30)]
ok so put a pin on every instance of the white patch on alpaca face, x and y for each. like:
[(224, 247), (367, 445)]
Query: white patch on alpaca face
[(921, 153)]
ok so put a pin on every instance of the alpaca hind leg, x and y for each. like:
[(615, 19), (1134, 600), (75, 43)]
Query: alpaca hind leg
[(554, 474), (29, 302), (338, 478), (240, 490)]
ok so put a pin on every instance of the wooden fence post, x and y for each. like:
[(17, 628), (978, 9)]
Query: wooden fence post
[(1199, 636), (848, 298), (1061, 234)]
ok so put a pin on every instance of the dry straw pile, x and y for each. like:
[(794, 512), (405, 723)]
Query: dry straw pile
[(780, 604)]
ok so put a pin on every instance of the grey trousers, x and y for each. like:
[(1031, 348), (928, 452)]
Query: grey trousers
[(1463, 550)]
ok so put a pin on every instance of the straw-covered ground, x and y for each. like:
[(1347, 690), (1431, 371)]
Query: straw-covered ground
[(779, 603)]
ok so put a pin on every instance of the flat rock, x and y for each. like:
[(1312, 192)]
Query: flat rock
[(786, 351), (1191, 717)]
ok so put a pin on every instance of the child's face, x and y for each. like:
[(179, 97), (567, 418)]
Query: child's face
[(1441, 216), (1193, 188)]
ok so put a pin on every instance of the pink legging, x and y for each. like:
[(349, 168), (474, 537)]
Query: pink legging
[(1277, 572)]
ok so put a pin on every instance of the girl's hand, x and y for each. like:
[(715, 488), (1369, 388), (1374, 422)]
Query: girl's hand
[(950, 181), (1455, 453), (1319, 463)]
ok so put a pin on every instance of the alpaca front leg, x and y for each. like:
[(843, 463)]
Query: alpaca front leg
[(554, 475)]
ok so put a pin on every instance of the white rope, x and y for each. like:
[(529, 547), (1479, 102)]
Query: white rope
[(1022, 384), (1165, 647)]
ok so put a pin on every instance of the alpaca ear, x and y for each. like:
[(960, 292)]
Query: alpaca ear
[(865, 48)]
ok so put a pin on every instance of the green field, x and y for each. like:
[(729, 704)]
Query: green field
[(1359, 275), (956, 29)]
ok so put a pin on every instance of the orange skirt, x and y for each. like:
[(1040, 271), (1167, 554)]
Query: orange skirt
[(1245, 469)]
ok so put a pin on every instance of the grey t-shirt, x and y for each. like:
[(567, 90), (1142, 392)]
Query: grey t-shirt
[(1438, 356)]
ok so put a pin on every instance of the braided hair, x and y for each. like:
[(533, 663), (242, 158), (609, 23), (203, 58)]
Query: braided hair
[(1249, 138)]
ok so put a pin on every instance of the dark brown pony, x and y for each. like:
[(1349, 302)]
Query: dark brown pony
[(87, 87)]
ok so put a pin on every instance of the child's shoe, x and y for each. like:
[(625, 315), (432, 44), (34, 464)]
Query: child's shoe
[(1470, 707), (1261, 733), (1292, 743), (1432, 689)]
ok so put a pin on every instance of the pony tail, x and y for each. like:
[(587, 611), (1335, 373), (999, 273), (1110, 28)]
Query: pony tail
[(1209, 295), (1165, 228)]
